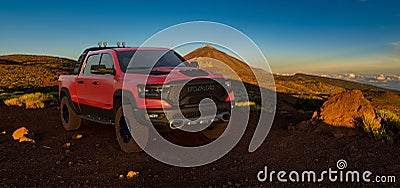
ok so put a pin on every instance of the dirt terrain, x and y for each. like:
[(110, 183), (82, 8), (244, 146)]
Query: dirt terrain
[(96, 159)]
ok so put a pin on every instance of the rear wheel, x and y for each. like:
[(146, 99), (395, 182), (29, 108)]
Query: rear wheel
[(70, 120), (124, 136)]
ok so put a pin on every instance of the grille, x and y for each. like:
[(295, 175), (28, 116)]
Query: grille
[(196, 90), (192, 114)]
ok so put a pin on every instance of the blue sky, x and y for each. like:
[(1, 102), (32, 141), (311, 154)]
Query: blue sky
[(295, 36)]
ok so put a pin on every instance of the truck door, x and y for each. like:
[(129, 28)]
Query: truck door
[(95, 91), (102, 85), (84, 82)]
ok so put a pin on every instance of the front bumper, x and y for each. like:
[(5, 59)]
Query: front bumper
[(170, 119)]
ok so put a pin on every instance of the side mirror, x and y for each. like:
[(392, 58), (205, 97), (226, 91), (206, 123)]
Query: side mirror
[(101, 69), (195, 64)]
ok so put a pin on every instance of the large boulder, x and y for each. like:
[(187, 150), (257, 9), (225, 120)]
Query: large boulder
[(345, 109)]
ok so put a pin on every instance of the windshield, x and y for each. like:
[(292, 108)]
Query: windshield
[(144, 59)]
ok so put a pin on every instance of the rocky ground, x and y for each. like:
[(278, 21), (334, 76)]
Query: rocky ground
[(96, 159)]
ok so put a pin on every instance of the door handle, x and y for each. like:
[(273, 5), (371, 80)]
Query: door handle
[(80, 81), (95, 83)]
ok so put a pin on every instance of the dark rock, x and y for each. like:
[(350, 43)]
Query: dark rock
[(337, 133), (301, 126)]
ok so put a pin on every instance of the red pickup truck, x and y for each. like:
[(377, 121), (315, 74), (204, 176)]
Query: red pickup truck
[(102, 77)]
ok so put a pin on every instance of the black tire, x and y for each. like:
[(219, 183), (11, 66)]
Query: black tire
[(70, 120), (215, 130), (124, 137)]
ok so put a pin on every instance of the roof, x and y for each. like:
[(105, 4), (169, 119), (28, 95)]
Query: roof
[(122, 49)]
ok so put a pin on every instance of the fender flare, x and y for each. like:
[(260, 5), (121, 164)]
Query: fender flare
[(65, 92), (117, 98)]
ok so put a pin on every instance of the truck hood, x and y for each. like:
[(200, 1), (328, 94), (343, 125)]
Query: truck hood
[(160, 74), (188, 71)]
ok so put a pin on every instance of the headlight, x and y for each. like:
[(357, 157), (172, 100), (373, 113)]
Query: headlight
[(152, 91)]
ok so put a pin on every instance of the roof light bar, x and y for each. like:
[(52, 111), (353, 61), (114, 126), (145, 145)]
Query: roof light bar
[(104, 44)]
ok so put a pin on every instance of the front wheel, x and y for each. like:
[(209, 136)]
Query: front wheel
[(70, 120), (124, 136)]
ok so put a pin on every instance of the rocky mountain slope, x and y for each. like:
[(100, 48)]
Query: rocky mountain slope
[(22, 72)]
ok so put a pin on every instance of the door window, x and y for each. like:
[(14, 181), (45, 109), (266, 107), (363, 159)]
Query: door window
[(107, 61), (92, 60)]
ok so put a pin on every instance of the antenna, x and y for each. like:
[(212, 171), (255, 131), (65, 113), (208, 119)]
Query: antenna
[(119, 44), (123, 44)]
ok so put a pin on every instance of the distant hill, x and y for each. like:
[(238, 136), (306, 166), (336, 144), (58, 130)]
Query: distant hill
[(314, 90), (211, 52), (22, 72), (301, 91), (210, 58)]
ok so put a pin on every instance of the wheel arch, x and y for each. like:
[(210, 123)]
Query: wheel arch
[(65, 92), (117, 99)]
